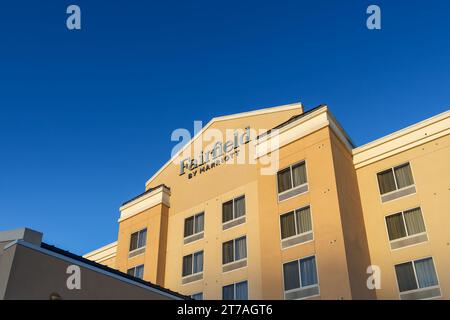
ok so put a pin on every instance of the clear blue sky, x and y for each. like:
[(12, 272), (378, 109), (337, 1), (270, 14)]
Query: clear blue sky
[(86, 116)]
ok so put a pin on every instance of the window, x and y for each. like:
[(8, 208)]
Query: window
[(197, 296), (300, 273), (405, 224), (295, 222), (194, 224), (234, 250), (395, 178), (235, 291), (233, 209), (416, 274), (137, 271), (138, 239), (192, 263), (292, 177)]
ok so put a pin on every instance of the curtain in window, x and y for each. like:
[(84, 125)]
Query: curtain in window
[(284, 180), (299, 174), (198, 262), (199, 222), (187, 265), (426, 275), (227, 252), (228, 292), (405, 276), (308, 271), (291, 275), (133, 241), (189, 226), (304, 220), (227, 211), (395, 226), (414, 221), (239, 207), (197, 296), (404, 176), (241, 291), (386, 181), (287, 225), (139, 272), (142, 238), (241, 248)]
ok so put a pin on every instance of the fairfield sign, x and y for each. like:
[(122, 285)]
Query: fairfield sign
[(219, 153)]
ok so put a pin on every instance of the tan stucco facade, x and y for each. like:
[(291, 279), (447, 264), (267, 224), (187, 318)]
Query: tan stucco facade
[(348, 228)]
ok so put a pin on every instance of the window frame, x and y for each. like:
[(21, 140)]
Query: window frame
[(192, 264), (296, 226), (197, 293), (137, 240), (413, 262), (300, 277), (292, 178), (233, 200), (391, 169), (134, 270), (234, 251), (193, 225), (234, 289), (406, 228)]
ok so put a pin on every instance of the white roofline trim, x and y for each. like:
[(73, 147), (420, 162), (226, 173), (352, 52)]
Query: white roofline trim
[(286, 107)]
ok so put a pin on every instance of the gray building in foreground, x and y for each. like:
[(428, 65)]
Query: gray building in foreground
[(32, 269)]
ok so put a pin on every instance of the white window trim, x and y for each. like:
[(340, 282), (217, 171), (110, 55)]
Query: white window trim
[(195, 219), (234, 213), (292, 178), (234, 289), (300, 278), (134, 270), (196, 273), (397, 189), (139, 234), (234, 251), (296, 228), (406, 229), (415, 277)]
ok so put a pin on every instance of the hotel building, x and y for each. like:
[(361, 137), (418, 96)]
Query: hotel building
[(332, 221)]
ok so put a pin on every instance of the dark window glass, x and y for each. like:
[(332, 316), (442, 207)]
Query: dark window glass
[(139, 272), (227, 211), (134, 241), (198, 262), (426, 275), (287, 225), (227, 252), (199, 222), (308, 271), (189, 226), (303, 217), (239, 207), (291, 275), (284, 180), (241, 290), (187, 265), (386, 181), (240, 249), (298, 174), (228, 292), (142, 238), (405, 276), (403, 175), (395, 226)]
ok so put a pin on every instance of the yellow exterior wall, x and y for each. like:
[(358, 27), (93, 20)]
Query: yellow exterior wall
[(430, 164), (347, 214)]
